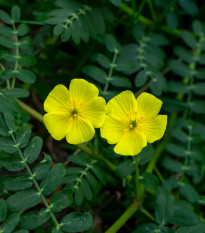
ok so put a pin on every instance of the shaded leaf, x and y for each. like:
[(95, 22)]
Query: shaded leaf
[(3, 210), (23, 200), (11, 222), (76, 222), (34, 219)]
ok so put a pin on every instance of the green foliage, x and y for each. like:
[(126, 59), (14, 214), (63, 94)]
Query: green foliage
[(154, 46), (83, 180), (76, 222), (78, 21), (16, 60), (15, 141)]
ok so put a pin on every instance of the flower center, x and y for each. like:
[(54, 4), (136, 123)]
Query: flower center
[(74, 112), (133, 124)]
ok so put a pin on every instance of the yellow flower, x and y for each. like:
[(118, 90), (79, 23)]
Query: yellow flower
[(74, 113), (131, 123)]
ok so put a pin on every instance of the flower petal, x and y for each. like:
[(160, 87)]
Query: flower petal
[(148, 105), (95, 111), (112, 130), (57, 124), (57, 99), (80, 131), (122, 105), (131, 143), (82, 91), (154, 129)]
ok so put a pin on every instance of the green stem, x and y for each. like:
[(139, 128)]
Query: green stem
[(134, 5), (144, 211), (140, 9), (32, 112), (159, 174), (80, 11), (146, 21), (188, 150), (8, 84), (152, 9), (58, 226), (163, 13), (137, 176), (112, 66), (192, 66), (83, 173), (130, 12), (17, 54), (124, 217)]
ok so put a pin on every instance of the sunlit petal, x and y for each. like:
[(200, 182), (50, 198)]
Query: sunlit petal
[(80, 131), (57, 124), (57, 99), (131, 143), (82, 91), (148, 105), (95, 111), (122, 105), (154, 128), (112, 130)]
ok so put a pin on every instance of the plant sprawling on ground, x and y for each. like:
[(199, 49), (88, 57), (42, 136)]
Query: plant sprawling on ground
[(87, 54)]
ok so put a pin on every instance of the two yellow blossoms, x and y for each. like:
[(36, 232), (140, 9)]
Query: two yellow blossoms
[(128, 122)]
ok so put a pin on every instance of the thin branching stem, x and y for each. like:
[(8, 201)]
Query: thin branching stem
[(140, 9), (159, 174), (124, 217), (112, 66), (186, 161), (58, 226), (145, 212), (17, 56), (147, 21), (137, 176), (152, 9)]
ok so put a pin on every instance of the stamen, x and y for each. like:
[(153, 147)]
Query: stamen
[(74, 112), (133, 124)]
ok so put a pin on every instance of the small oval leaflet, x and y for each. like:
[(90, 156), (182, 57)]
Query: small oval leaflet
[(16, 182), (23, 136), (23, 200), (3, 210), (77, 222), (33, 149), (10, 223), (34, 219)]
